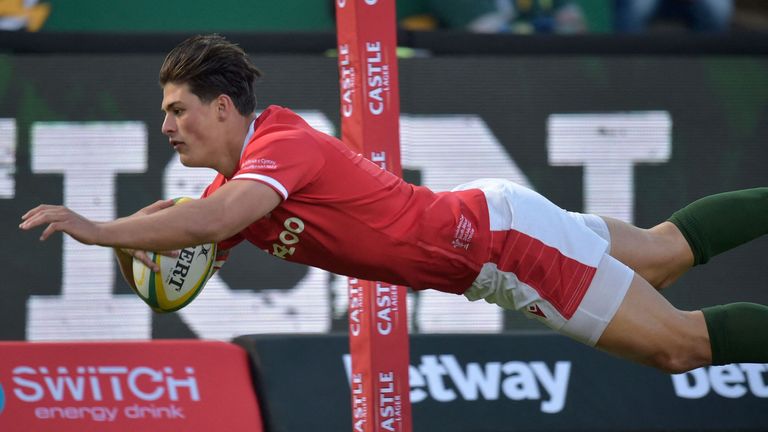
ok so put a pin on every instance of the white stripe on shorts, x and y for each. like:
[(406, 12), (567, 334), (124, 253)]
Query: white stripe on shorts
[(600, 303)]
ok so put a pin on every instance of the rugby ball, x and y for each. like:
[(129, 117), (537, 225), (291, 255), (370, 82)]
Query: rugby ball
[(180, 278)]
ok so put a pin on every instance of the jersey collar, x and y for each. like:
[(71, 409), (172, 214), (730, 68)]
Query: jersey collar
[(247, 137)]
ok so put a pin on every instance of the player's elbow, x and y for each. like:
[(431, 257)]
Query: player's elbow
[(208, 233), (222, 233), (225, 215), (673, 364)]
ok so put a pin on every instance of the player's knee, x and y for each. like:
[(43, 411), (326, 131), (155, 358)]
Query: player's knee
[(662, 275), (660, 271), (673, 361), (681, 353)]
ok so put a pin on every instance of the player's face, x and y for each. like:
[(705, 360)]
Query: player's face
[(191, 125)]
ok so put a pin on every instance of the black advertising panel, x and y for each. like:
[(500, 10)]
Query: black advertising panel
[(533, 382), (633, 136)]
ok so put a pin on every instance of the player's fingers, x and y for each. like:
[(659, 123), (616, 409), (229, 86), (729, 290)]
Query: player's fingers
[(31, 212), (140, 255), (146, 260), (157, 206), (33, 220), (37, 210), (55, 216), (43, 215), (50, 229), (161, 204)]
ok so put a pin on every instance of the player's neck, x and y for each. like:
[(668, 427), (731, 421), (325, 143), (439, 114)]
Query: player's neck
[(234, 145)]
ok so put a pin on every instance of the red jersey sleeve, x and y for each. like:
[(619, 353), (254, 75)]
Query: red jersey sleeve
[(286, 159)]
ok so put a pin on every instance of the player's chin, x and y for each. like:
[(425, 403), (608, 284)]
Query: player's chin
[(189, 160)]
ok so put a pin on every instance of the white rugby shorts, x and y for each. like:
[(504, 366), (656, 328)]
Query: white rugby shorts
[(551, 264)]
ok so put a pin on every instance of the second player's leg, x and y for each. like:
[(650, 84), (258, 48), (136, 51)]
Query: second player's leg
[(659, 254), (648, 329), (693, 235)]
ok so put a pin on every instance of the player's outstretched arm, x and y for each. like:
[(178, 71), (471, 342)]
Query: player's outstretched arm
[(226, 212)]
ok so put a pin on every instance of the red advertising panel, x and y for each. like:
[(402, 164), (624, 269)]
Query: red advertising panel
[(126, 386), (370, 110)]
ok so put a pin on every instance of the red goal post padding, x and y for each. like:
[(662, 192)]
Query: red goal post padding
[(370, 110)]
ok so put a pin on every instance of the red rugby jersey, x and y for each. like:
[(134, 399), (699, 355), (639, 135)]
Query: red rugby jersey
[(343, 213)]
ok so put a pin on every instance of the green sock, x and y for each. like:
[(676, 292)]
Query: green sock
[(738, 333), (718, 223)]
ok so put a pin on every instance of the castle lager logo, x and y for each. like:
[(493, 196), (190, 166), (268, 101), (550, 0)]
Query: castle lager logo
[(377, 78), (347, 76), (386, 308)]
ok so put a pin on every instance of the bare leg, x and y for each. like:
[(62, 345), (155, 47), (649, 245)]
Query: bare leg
[(649, 330), (660, 254)]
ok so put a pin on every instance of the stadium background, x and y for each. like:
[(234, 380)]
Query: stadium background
[(486, 100)]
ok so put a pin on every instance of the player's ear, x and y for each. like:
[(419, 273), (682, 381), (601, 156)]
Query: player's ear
[(224, 106)]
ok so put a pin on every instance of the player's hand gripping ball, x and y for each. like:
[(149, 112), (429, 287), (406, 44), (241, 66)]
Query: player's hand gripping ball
[(179, 280)]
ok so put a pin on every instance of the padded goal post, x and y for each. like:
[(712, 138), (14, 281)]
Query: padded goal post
[(370, 111)]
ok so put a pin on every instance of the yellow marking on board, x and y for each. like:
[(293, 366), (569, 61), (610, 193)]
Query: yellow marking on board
[(35, 15)]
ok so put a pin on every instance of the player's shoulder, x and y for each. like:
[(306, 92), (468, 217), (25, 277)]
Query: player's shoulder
[(279, 117), (279, 124)]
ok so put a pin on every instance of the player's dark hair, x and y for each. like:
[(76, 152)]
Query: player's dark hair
[(211, 66)]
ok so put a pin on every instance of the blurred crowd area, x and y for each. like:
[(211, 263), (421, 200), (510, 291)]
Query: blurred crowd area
[(480, 16), (585, 16)]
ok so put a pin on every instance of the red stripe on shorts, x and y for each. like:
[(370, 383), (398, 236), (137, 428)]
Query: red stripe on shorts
[(560, 280)]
